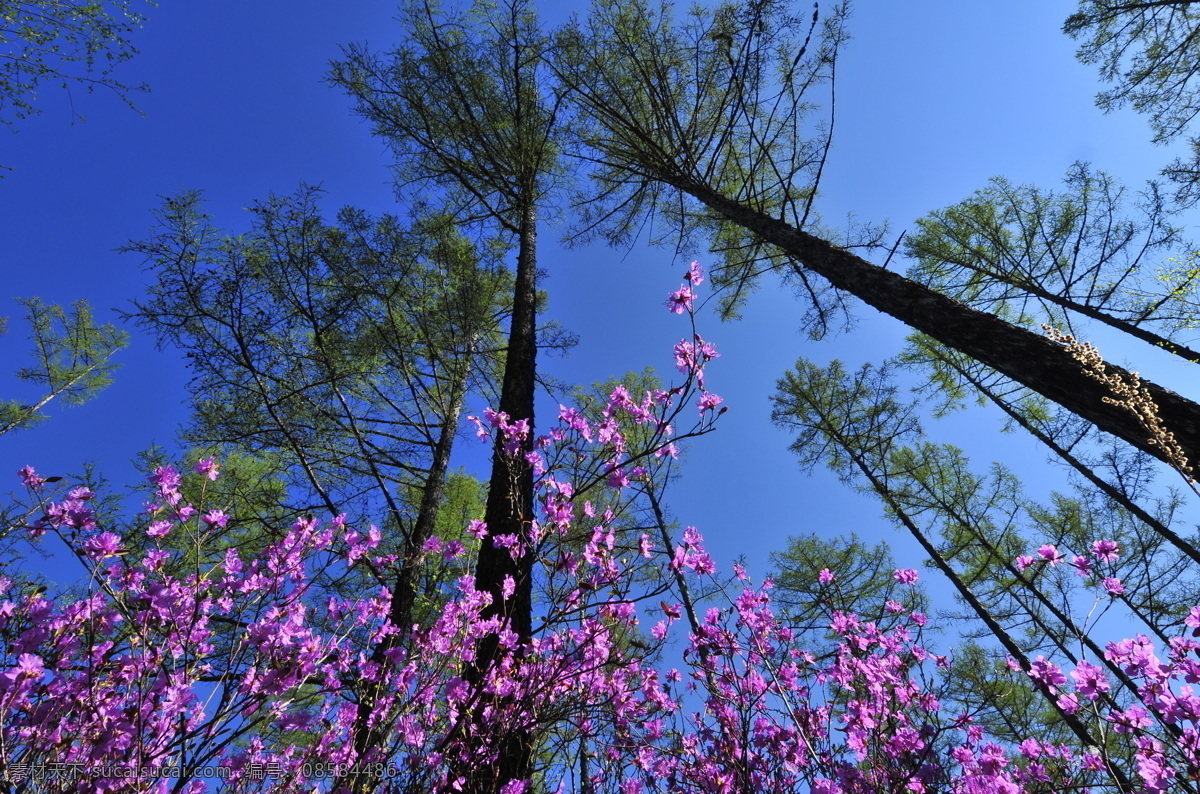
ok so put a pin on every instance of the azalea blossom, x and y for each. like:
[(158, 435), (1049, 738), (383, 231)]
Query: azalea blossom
[(208, 467), (681, 300), (105, 544), (1105, 550), (1050, 554)]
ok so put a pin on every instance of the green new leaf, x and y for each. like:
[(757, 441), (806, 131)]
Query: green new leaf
[(71, 359)]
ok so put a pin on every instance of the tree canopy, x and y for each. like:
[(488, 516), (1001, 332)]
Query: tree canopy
[(312, 587), (69, 42)]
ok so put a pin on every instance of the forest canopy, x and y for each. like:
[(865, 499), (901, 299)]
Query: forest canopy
[(391, 547)]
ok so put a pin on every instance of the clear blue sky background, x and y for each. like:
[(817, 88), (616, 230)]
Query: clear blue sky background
[(935, 97)]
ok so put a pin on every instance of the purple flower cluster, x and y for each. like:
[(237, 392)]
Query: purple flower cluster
[(137, 676)]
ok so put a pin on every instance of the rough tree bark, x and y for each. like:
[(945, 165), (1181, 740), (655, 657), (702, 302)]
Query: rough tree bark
[(1028, 358)]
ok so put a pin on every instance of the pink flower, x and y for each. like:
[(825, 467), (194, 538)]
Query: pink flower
[(1105, 550), (992, 759), (617, 479), (216, 518), (708, 401), (1135, 655), (664, 451), (480, 430), (907, 576), (1046, 672), (155, 558), (1129, 720), (166, 478), (1083, 566), (695, 274), (158, 529), (1068, 702), (1050, 554), (508, 588), (359, 545), (208, 467), (29, 666), (1193, 617), (575, 420), (30, 478), (106, 544), (825, 576), (690, 357), (1113, 585), (681, 300), (1023, 562), (1090, 680)]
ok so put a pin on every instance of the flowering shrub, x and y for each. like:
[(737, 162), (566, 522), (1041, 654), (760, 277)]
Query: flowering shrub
[(1158, 714), (231, 676)]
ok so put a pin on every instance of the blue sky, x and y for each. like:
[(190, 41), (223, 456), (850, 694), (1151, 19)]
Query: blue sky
[(934, 97)]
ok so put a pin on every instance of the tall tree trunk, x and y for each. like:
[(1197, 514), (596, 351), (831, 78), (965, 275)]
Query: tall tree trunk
[(404, 593), (509, 511), (1028, 358), (1085, 471)]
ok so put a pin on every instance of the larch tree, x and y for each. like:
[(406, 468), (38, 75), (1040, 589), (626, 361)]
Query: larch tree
[(339, 356), (718, 122), (709, 122), (1146, 52), (465, 104), (71, 360), (861, 428), (68, 42)]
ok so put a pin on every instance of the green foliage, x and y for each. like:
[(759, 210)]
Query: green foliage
[(863, 584), (972, 526), (339, 350), (71, 354), (1038, 256), (1176, 286), (1160, 582), (729, 99), (1146, 52), (462, 101), (840, 419), (1001, 700), (251, 490), (70, 42)]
